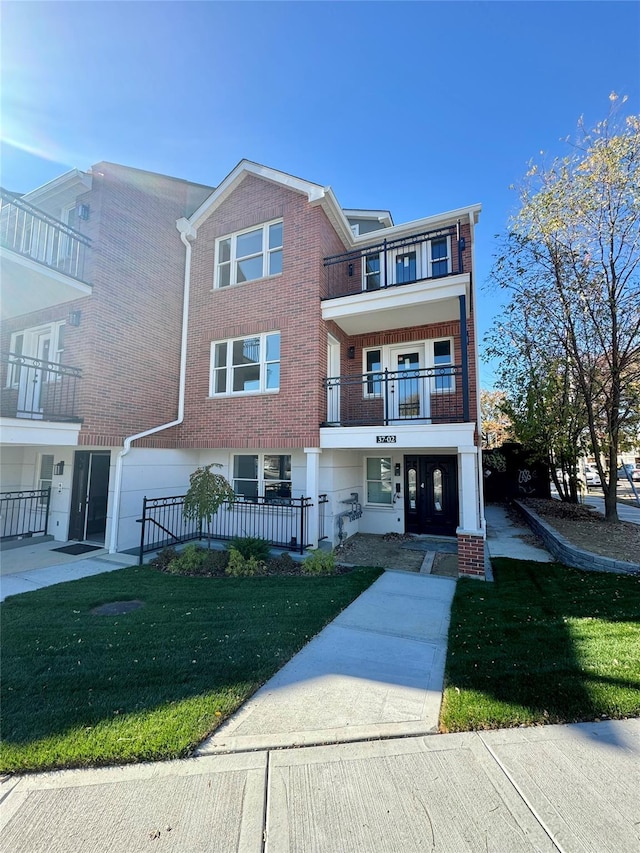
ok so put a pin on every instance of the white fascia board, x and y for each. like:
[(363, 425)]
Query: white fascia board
[(314, 192), (369, 301), (22, 431), (441, 437), (429, 223), (61, 183)]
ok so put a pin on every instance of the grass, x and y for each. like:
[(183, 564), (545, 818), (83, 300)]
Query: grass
[(80, 689), (543, 644)]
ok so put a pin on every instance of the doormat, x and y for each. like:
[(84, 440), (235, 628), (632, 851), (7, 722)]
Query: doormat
[(77, 549)]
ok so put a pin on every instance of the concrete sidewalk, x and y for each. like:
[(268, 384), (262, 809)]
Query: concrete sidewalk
[(574, 789)]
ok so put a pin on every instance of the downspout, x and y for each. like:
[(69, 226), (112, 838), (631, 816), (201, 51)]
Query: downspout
[(187, 233)]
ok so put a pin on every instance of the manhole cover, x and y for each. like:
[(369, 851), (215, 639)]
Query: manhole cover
[(116, 608)]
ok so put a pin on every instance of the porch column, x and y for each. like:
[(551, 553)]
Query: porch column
[(464, 355), (312, 489), (470, 534)]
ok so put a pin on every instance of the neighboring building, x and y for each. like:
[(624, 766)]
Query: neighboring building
[(328, 354)]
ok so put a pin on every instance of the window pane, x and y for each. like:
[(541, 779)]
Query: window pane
[(373, 360), (273, 347), (220, 381), (273, 376), (246, 488), (220, 358), (406, 268), (249, 270), (46, 467), (224, 275), (379, 493), (246, 378), (246, 467), (437, 490), (246, 351), (442, 352), (249, 243), (277, 467), (372, 263), (438, 249), (277, 491), (275, 235), (275, 262), (224, 250)]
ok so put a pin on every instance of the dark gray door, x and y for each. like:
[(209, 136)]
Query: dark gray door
[(89, 495), (431, 494)]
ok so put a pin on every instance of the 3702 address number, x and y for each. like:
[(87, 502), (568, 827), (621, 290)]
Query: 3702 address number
[(385, 439)]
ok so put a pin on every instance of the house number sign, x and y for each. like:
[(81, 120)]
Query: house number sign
[(385, 439)]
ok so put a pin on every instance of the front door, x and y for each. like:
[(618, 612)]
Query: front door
[(431, 495), (89, 495)]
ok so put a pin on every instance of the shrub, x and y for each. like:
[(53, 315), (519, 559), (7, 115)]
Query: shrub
[(240, 566), (191, 561), (164, 558), (319, 563), (283, 564), (251, 546)]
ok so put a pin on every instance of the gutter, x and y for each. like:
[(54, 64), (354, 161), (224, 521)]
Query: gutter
[(187, 234)]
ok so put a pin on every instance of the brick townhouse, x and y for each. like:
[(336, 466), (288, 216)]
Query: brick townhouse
[(316, 354)]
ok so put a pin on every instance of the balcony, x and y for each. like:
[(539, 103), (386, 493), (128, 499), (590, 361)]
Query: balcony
[(37, 390), (42, 260), (387, 285), (431, 395)]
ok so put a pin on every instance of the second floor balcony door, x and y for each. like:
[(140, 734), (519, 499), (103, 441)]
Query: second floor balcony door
[(30, 382), (410, 398)]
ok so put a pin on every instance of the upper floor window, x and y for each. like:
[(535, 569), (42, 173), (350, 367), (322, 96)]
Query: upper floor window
[(248, 255), (439, 250), (443, 361), (44, 344), (246, 365)]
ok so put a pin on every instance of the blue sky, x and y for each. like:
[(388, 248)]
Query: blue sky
[(414, 107)]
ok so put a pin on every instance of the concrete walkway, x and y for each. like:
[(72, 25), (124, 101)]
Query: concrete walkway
[(574, 789), (375, 671), (505, 538)]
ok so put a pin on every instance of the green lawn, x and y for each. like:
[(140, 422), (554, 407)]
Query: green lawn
[(80, 689), (543, 644)]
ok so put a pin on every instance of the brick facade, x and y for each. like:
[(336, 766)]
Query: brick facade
[(471, 556)]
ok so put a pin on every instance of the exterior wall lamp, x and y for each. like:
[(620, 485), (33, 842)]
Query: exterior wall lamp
[(74, 318)]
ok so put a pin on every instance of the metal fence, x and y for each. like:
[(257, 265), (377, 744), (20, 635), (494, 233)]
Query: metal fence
[(24, 513), (38, 390), (284, 524)]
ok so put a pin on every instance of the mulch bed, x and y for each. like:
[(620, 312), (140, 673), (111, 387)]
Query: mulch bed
[(588, 529)]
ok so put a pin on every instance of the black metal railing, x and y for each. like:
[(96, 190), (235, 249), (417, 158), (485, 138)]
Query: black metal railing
[(427, 395), (393, 263), (24, 513), (38, 390), (323, 502), (34, 234), (284, 523)]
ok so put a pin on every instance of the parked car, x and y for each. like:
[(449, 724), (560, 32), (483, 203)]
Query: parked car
[(629, 470), (592, 477)]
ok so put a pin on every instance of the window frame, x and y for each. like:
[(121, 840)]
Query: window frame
[(451, 376), (367, 480), (262, 481), (229, 366), (266, 252), (447, 258), (369, 386)]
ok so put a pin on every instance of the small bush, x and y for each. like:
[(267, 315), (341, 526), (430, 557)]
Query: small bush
[(164, 558), (240, 567), (189, 562), (251, 546), (319, 563)]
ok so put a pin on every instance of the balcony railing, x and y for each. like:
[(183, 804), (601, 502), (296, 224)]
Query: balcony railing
[(37, 389), (24, 513), (431, 395), (34, 234), (392, 263)]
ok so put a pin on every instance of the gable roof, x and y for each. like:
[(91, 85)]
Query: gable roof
[(315, 193)]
